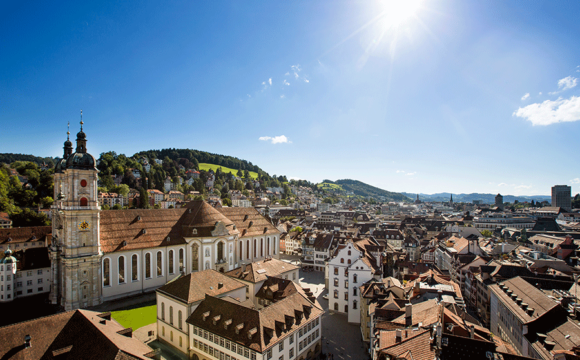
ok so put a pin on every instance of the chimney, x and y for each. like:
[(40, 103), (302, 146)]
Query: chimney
[(472, 332), (398, 335), (27, 340), (220, 285), (408, 315), (542, 337)]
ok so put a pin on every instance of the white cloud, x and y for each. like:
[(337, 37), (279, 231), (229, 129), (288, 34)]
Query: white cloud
[(502, 184), (282, 96), (276, 139), (525, 96), (287, 73), (286, 82), (296, 68), (575, 181), (540, 93), (567, 83), (551, 112), (411, 173), (270, 81), (306, 80), (400, 171)]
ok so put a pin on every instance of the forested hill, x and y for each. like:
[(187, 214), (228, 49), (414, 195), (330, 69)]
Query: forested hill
[(361, 189), (196, 156), (9, 158)]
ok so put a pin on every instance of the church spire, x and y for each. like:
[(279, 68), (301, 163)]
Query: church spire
[(81, 138), (68, 149)]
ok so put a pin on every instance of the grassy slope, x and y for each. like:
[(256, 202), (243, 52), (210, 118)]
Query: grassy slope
[(137, 317), (329, 186), (206, 167)]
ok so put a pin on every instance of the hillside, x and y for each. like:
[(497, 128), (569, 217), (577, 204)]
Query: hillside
[(9, 158), (485, 198), (361, 189), (207, 167)]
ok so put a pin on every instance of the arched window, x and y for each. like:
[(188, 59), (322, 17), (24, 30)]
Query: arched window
[(170, 261), (255, 248), (159, 263), (336, 306), (335, 282), (179, 319), (121, 269), (248, 249), (336, 294), (274, 240), (134, 268), (354, 291), (349, 261), (171, 315), (220, 251), (349, 252), (148, 265), (106, 272), (195, 257), (354, 278), (268, 245), (241, 252), (181, 253), (84, 202), (262, 247), (354, 304), (342, 261), (162, 311)]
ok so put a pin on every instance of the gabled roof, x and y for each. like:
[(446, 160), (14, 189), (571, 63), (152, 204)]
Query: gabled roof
[(414, 345), (25, 234), (193, 287), (260, 270), (249, 221), (78, 334)]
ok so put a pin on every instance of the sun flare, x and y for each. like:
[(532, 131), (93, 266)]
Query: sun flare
[(396, 12)]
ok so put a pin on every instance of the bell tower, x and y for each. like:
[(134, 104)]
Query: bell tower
[(75, 251)]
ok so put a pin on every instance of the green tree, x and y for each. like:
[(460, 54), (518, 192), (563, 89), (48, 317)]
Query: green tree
[(144, 198), (226, 202), (122, 189), (28, 217), (47, 202), (105, 207), (486, 233)]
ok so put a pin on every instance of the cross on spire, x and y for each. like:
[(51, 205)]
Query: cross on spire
[(82, 120), (68, 131)]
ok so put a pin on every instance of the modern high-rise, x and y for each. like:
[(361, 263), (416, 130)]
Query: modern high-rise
[(562, 197)]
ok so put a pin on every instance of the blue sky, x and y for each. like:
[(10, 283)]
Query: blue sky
[(457, 96)]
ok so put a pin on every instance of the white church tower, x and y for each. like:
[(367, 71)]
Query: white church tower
[(75, 251)]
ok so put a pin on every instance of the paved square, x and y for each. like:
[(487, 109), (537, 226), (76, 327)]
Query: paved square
[(339, 337)]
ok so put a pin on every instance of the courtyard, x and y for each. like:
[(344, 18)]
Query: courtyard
[(339, 338)]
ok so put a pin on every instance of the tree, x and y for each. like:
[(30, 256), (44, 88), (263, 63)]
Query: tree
[(107, 181), (117, 207), (144, 198), (486, 233), (227, 202), (28, 217), (47, 202), (122, 189), (105, 207)]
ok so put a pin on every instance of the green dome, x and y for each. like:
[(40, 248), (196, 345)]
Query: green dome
[(80, 161), (8, 258)]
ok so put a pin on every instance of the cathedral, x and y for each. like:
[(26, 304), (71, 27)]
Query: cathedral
[(99, 255)]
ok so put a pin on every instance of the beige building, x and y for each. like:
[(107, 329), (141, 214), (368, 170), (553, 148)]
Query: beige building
[(179, 298)]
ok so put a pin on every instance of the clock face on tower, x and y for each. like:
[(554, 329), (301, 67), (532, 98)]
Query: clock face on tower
[(84, 225)]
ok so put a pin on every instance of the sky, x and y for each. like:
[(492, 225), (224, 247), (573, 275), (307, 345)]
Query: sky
[(416, 96)]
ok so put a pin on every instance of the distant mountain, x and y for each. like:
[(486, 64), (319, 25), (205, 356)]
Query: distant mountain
[(362, 189), (485, 198)]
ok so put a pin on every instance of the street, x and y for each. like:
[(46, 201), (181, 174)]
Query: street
[(339, 337)]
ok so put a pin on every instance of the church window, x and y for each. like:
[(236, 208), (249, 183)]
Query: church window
[(148, 265), (262, 247), (220, 250), (274, 240), (255, 248), (241, 252), (106, 272), (121, 269), (171, 261), (354, 278), (181, 253), (159, 263), (342, 261), (247, 249), (134, 268), (84, 202), (171, 315), (163, 311), (349, 261), (179, 319), (268, 245), (83, 183), (195, 257)]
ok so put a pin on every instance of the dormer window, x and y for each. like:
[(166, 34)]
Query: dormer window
[(205, 315), (144, 231), (239, 327), (194, 232), (227, 323), (216, 319), (250, 225)]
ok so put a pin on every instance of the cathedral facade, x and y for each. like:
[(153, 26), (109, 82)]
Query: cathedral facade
[(100, 255)]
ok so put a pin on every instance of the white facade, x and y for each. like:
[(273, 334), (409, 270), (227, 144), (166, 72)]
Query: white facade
[(296, 345), (346, 272)]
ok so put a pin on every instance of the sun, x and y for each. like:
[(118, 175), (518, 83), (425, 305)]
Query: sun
[(397, 12)]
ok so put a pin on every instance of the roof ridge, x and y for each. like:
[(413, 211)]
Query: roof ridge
[(38, 318)]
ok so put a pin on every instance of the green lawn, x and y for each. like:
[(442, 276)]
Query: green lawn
[(136, 317), (329, 186), (206, 167)]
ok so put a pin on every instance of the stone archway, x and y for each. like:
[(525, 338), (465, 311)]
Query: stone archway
[(194, 357)]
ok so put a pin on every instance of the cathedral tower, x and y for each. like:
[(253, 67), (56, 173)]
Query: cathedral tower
[(75, 250)]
